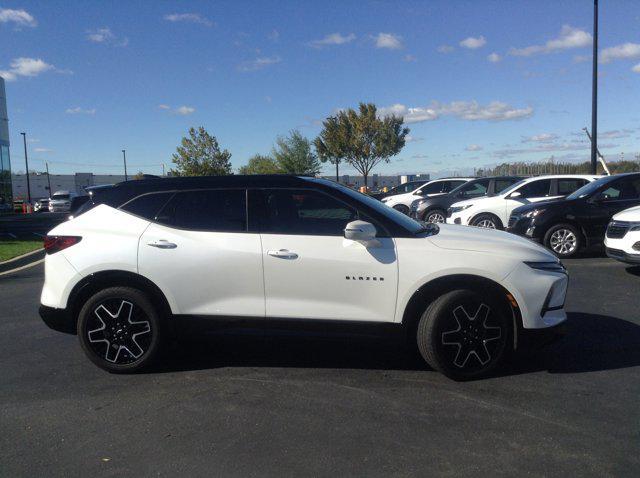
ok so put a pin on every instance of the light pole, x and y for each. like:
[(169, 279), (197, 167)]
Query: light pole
[(26, 164), (124, 158), (594, 93), (48, 178)]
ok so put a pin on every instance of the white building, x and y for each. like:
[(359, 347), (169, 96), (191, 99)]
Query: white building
[(39, 183), (376, 181)]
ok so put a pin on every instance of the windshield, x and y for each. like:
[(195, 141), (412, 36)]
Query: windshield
[(405, 221), (589, 188), (60, 196)]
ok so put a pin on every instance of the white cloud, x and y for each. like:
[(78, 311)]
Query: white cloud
[(575, 145), (43, 150), (409, 58), (413, 139), (28, 67), (636, 68), (333, 39), (474, 147), (445, 49), (473, 43), (274, 35), (189, 18), (569, 37), (388, 40), (185, 110), (465, 110), (540, 138), (21, 18), (164, 107), (620, 52), (106, 36), (494, 57), (80, 111), (259, 63)]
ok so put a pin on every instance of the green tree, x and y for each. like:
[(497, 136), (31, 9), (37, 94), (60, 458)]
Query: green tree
[(199, 154), (361, 138), (139, 175), (293, 155), (260, 164)]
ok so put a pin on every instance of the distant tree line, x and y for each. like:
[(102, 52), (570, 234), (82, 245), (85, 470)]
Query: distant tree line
[(553, 167)]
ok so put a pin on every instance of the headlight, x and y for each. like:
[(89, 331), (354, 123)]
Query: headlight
[(388, 198), (417, 202), (533, 213), (634, 226), (547, 266), (460, 208)]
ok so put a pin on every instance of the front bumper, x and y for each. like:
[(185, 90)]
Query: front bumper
[(623, 256), (525, 227), (59, 320)]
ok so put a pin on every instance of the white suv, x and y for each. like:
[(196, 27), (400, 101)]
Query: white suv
[(130, 271), (60, 201), (437, 187), (622, 240), (493, 212)]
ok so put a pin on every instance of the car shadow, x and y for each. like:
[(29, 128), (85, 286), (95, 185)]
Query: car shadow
[(633, 270), (592, 342)]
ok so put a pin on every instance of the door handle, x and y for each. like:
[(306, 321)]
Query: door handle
[(283, 254), (162, 244)]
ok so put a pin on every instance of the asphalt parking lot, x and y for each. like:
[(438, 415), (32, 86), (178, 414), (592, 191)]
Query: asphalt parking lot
[(294, 405)]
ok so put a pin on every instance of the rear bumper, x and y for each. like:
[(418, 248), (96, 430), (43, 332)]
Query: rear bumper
[(623, 256), (59, 320)]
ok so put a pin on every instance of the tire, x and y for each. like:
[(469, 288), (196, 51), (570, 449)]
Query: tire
[(487, 221), (132, 343), (564, 240), (452, 342), (435, 216), (402, 208)]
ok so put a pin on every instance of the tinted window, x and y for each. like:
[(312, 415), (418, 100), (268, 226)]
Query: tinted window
[(475, 188), (567, 186), (147, 205), (502, 184), (221, 210), (60, 196), (451, 185), (627, 188), (304, 212), (432, 188), (535, 189)]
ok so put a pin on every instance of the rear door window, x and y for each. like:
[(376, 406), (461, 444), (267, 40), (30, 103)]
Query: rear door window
[(569, 185), (147, 205), (536, 189), (215, 210), (502, 184)]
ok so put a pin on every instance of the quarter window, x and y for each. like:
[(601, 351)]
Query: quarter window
[(219, 210), (147, 205)]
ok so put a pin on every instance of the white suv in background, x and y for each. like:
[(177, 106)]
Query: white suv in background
[(493, 211), (152, 254), (436, 187), (61, 201), (622, 240)]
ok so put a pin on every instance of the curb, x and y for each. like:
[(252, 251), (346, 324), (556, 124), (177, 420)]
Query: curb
[(22, 262)]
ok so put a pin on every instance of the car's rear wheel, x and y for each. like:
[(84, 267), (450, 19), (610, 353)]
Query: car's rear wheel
[(435, 216), (120, 330), (564, 240), (464, 335), (487, 221), (402, 208)]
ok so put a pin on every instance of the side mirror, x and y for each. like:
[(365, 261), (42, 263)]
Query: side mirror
[(361, 231), (515, 195)]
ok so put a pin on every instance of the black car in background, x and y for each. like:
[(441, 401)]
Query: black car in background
[(401, 189), (580, 220), (434, 209)]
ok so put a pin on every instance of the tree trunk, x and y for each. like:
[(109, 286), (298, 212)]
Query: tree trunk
[(365, 176)]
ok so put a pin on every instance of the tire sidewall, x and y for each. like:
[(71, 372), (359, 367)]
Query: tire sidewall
[(435, 211), (139, 299), (496, 221)]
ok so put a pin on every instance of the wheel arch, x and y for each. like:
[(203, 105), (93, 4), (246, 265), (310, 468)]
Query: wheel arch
[(433, 289), (111, 278), (487, 213)]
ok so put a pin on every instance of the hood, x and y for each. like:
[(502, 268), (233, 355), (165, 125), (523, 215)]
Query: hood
[(564, 203), (490, 241), (631, 214)]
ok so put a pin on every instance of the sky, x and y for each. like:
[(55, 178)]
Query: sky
[(477, 82)]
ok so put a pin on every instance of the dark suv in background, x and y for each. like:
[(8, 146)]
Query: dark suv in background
[(434, 209), (580, 220)]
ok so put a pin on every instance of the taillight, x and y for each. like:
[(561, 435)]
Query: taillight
[(54, 244)]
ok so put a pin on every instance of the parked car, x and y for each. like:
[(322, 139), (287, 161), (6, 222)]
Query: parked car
[(148, 255), (77, 202), (400, 189), (622, 239), (434, 209), (493, 212), (580, 220), (41, 205), (435, 187), (61, 201)]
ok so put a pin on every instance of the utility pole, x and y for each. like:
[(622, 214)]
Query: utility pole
[(124, 158), (594, 93), (162, 169), (26, 163), (48, 178)]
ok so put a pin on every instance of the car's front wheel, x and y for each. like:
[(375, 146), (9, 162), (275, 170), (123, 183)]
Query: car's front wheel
[(564, 240), (487, 221), (120, 330), (463, 334), (435, 216)]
